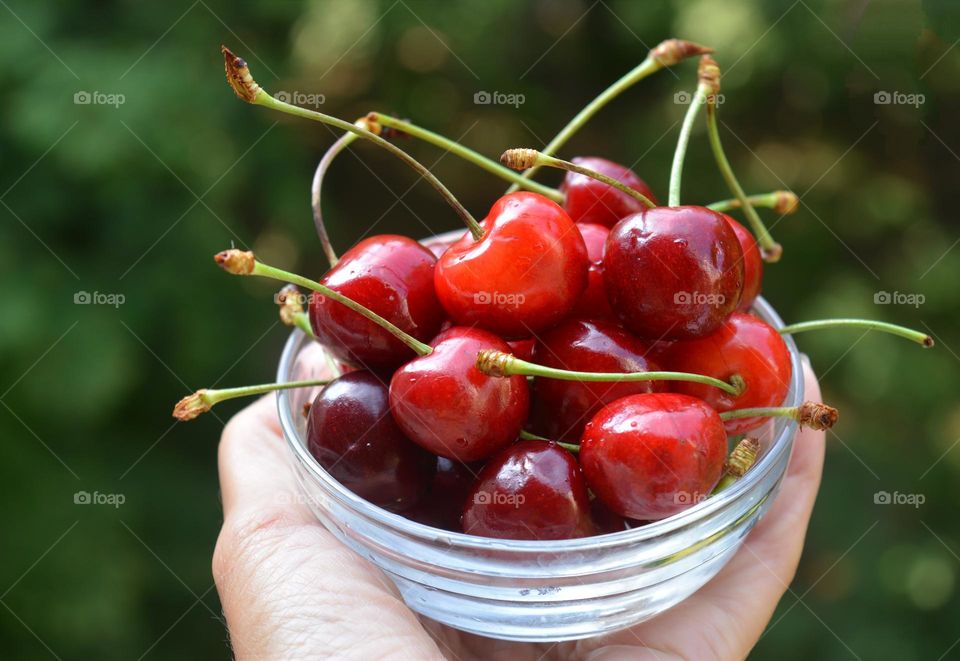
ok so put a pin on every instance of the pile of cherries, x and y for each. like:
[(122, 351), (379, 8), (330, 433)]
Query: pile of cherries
[(559, 371)]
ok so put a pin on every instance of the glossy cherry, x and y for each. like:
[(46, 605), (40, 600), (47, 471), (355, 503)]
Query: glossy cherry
[(351, 433), (673, 272), (391, 275), (650, 456), (525, 273), (743, 345), (590, 201), (752, 264), (561, 409), (439, 245), (605, 520), (443, 503), (446, 405), (523, 349), (531, 490), (593, 303)]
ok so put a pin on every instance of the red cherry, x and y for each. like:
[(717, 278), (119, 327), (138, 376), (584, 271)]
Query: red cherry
[(446, 405), (752, 264), (443, 503), (531, 490), (391, 275), (590, 201), (525, 273), (743, 345), (351, 433), (523, 349), (673, 272), (606, 520), (593, 303), (650, 456), (561, 409), (439, 245)]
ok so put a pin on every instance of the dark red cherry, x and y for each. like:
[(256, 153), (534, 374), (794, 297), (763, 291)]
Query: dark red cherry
[(650, 456), (673, 272), (606, 520), (752, 264), (522, 349), (391, 275), (446, 405), (525, 273), (531, 490), (590, 201), (443, 503), (561, 409), (351, 433), (593, 302), (743, 345)]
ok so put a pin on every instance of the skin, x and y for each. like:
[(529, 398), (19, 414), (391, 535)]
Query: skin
[(593, 303), (290, 590), (590, 201)]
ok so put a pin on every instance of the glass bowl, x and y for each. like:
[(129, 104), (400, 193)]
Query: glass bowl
[(539, 591)]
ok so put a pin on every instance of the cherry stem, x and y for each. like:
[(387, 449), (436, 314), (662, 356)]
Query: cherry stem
[(501, 364), (342, 143), (528, 436), (783, 202), (245, 87), (292, 313), (239, 262), (203, 400), (808, 414), (741, 459), (676, 171), (467, 154), (902, 331), (665, 54), (524, 159)]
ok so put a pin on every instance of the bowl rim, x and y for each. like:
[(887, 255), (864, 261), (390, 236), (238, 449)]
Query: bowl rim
[(781, 444)]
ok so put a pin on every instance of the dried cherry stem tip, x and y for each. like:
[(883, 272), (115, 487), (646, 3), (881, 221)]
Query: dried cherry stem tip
[(204, 399), (524, 159), (501, 364), (922, 339), (741, 459), (809, 414), (241, 262), (291, 309)]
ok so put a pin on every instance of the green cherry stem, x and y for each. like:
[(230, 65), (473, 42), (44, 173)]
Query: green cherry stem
[(528, 436), (239, 262), (808, 414), (741, 459), (467, 154), (676, 171), (317, 185), (203, 400), (247, 89), (501, 364), (665, 54), (524, 159), (869, 324), (783, 202)]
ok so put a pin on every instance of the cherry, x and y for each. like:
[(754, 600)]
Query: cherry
[(443, 503), (523, 349), (531, 490), (743, 345), (606, 520), (673, 272), (650, 456), (561, 409), (752, 264), (445, 404), (590, 201), (391, 275), (352, 435), (439, 245), (593, 303), (524, 274)]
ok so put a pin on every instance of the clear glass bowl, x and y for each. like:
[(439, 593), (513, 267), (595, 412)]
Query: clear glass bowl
[(539, 590)]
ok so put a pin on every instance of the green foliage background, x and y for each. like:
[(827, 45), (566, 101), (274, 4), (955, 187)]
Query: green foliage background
[(134, 200)]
